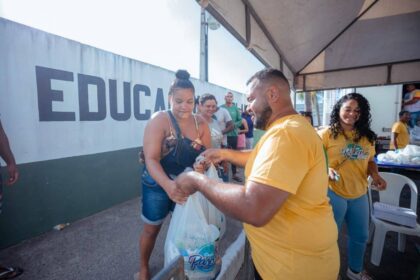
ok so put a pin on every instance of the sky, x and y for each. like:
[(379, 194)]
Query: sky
[(164, 33)]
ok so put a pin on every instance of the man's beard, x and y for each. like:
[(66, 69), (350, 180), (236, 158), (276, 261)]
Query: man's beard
[(260, 122)]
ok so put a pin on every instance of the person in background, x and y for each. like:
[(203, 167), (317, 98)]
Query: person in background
[(225, 122), (232, 136), (172, 141), (249, 136), (415, 134), (412, 103), (8, 272), (243, 129), (308, 116), (207, 108), (350, 145), (400, 134), (285, 194)]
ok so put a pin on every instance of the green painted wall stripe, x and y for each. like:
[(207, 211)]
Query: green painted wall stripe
[(65, 190)]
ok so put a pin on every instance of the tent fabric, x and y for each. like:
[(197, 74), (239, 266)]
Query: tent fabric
[(325, 44)]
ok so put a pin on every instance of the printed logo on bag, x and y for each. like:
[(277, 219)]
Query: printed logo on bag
[(204, 260), (354, 151)]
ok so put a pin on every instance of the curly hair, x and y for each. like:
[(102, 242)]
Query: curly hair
[(362, 125)]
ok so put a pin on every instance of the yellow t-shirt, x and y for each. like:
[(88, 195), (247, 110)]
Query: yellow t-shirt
[(403, 135), (350, 160), (300, 241)]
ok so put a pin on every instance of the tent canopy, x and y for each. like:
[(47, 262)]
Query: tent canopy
[(325, 44)]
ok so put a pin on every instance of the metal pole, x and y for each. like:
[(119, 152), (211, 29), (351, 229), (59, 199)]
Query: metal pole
[(203, 47)]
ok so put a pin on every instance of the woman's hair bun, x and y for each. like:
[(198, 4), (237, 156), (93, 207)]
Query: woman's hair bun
[(182, 74)]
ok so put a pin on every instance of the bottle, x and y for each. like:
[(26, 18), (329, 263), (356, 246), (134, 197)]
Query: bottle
[(61, 226)]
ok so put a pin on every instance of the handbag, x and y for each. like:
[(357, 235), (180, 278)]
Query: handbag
[(241, 141)]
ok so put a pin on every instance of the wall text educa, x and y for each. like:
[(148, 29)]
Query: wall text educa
[(131, 98)]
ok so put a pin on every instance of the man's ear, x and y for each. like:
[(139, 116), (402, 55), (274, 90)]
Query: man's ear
[(273, 94)]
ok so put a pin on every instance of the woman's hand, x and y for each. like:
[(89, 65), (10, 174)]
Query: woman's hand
[(378, 182), (214, 155), (333, 175), (186, 182), (176, 194), (201, 166)]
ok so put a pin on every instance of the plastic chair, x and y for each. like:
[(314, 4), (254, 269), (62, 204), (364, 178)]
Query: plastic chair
[(379, 228)]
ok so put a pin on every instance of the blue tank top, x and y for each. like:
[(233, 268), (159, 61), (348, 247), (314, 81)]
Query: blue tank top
[(184, 151)]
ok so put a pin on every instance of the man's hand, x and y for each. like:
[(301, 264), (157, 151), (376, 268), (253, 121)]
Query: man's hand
[(13, 174), (187, 182), (378, 182)]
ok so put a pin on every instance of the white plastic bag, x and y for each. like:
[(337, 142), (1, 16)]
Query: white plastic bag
[(191, 236), (213, 215)]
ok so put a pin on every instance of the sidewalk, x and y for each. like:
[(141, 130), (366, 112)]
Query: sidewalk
[(102, 246)]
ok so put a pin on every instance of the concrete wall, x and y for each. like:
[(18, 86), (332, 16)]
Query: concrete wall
[(75, 116)]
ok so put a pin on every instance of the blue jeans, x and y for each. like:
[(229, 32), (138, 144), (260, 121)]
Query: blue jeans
[(414, 116), (355, 212), (156, 203)]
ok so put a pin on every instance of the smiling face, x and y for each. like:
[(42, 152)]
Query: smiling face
[(349, 114), (257, 103), (182, 103), (208, 108)]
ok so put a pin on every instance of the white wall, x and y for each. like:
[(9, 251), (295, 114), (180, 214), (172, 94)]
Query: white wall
[(385, 103), (43, 85)]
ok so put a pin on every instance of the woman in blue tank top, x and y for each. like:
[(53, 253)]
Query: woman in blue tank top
[(172, 141)]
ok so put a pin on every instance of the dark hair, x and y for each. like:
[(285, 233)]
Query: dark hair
[(205, 97), (362, 125), (182, 81), (307, 114), (402, 113), (267, 75)]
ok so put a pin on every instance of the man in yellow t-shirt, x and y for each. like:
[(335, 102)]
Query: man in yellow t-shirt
[(400, 135), (284, 206)]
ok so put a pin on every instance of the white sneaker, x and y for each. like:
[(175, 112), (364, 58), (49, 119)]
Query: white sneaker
[(358, 276)]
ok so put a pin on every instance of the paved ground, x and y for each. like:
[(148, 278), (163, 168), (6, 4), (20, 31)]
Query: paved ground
[(105, 246), (102, 246)]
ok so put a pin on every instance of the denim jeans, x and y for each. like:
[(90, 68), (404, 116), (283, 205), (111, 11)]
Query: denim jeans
[(156, 203), (414, 116), (355, 212)]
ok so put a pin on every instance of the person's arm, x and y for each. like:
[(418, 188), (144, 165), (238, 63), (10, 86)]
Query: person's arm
[(394, 139), (235, 157), (411, 99), (205, 135), (229, 127), (245, 124), (7, 155), (238, 119), (235, 200), (154, 135), (377, 180)]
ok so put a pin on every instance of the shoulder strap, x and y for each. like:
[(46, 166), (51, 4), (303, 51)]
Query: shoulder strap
[(196, 127), (175, 124)]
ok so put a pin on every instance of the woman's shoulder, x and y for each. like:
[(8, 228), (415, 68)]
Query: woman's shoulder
[(158, 120), (324, 130), (159, 116)]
